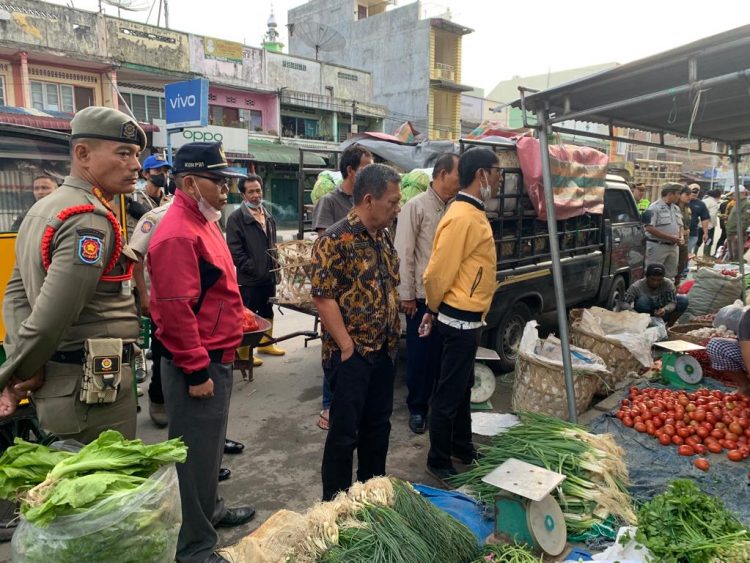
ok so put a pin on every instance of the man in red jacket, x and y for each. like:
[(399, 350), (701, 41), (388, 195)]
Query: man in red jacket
[(196, 304)]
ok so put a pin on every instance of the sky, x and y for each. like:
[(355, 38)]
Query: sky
[(509, 38)]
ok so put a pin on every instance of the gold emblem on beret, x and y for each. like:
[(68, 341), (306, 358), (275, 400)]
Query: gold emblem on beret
[(221, 153), (129, 131)]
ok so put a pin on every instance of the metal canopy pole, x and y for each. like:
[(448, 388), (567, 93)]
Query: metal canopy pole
[(554, 248), (740, 231)]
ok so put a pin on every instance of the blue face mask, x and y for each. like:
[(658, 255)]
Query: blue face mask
[(252, 205)]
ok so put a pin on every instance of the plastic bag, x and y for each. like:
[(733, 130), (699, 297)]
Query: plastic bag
[(414, 183), (325, 184), (139, 527), (549, 351), (626, 327), (249, 321), (730, 316), (625, 550)]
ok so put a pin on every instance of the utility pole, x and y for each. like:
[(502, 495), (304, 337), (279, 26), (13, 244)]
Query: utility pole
[(166, 14), (354, 109)]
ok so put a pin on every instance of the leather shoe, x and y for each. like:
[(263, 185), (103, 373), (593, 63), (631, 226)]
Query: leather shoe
[(232, 447), (215, 558), (417, 423), (442, 474), (236, 517), (158, 414), (224, 473)]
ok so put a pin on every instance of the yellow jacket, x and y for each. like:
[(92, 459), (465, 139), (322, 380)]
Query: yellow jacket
[(460, 278)]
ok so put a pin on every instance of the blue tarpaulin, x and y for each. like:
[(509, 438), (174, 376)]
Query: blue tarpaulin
[(462, 507)]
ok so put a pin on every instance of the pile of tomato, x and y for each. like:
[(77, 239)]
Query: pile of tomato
[(695, 421)]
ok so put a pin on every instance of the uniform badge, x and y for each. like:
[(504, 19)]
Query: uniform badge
[(90, 249), (147, 226), (104, 365), (129, 131)]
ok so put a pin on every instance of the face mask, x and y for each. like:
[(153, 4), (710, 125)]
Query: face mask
[(171, 187), (250, 205), (485, 191), (211, 214), (159, 180)]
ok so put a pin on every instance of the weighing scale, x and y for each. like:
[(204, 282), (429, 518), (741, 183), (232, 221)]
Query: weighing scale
[(484, 377), (525, 513), (677, 367)]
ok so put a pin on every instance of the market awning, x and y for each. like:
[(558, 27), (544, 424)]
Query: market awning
[(699, 90), (52, 120), (279, 154)]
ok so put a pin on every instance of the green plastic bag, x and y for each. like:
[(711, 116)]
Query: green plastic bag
[(414, 183), (327, 181)]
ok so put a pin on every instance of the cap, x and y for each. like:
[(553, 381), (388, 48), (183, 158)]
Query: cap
[(671, 187), (695, 188), (655, 270), (155, 161), (743, 190), (203, 157), (96, 122)]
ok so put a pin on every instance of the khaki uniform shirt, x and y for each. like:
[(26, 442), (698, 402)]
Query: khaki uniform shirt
[(140, 196), (417, 224), (58, 309), (665, 217)]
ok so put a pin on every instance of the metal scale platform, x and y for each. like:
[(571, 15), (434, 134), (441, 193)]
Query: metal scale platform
[(677, 367), (525, 512)]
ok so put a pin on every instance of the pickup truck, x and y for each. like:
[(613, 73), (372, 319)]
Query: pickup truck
[(601, 255)]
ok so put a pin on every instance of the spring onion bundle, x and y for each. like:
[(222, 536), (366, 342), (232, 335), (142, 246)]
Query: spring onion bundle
[(506, 553), (595, 472)]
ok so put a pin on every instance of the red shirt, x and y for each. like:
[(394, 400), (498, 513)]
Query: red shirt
[(185, 251)]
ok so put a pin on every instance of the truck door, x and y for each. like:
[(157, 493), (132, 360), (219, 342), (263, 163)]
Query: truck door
[(627, 244)]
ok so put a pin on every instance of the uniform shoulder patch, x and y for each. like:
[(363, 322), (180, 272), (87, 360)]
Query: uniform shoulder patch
[(146, 226), (89, 246)]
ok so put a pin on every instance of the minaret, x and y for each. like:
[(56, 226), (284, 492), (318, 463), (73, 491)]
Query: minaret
[(271, 38)]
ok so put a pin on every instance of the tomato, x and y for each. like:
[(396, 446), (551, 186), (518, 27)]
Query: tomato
[(640, 427), (655, 410), (657, 422), (714, 447), (699, 415), (736, 428), (729, 444), (700, 449), (711, 417), (702, 432), (702, 464), (650, 428), (686, 450), (690, 407), (625, 403), (717, 433), (664, 439), (663, 416), (645, 415), (677, 440), (620, 414), (731, 436), (747, 432), (683, 432), (682, 400), (692, 440), (727, 419), (734, 455), (627, 421)]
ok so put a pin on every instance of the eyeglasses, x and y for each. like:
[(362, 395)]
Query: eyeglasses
[(498, 168), (221, 181)]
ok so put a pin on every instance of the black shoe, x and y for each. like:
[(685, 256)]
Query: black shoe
[(232, 447), (236, 517), (224, 473), (468, 460), (215, 558), (417, 423), (442, 475)]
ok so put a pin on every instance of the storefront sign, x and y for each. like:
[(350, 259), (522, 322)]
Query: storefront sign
[(187, 103), (222, 50), (233, 139)]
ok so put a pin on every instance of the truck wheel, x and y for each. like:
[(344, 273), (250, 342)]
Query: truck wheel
[(616, 292), (508, 335)]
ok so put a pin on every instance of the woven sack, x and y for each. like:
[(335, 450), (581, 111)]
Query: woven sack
[(540, 387), (678, 332), (620, 362)]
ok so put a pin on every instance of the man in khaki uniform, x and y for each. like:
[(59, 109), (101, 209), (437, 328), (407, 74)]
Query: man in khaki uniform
[(69, 312)]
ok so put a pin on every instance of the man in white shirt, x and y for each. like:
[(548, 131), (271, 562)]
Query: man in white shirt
[(712, 201)]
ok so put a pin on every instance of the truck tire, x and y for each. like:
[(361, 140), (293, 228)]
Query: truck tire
[(616, 292), (507, 335)]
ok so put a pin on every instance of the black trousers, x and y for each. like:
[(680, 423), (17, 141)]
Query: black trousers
[(422, 365), (255, 298), (155, 391), (360, 419), (450, 408), (202, 424)]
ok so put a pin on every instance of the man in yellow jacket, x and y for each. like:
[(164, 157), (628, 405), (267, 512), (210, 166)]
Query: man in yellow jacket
[(459, 285)]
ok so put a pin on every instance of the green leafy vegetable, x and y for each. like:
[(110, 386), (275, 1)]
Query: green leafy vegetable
[(685, 525), (25, 465), (506, 553)]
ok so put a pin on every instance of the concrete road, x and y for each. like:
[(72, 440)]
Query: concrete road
[(275, 416)]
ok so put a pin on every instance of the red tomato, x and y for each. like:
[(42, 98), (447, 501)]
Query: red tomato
[(702, 464), (731, 436), (714, 447), (699, 415), (734, 455), (627, 421), (640, 427), (686, 450), (702, 433), (683, 432), (717, 433), (664, 439), (736, 428), (677, 440), (669, 429), (700, 449)]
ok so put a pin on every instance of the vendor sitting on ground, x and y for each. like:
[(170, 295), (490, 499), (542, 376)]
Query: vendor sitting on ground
[(656, 296), (732, 355)]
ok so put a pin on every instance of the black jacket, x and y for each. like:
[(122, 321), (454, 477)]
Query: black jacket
[(253, 251)]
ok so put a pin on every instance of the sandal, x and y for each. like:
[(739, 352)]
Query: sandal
[(323, 420)]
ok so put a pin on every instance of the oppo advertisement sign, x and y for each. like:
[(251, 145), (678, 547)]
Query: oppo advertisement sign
[(234, 140)]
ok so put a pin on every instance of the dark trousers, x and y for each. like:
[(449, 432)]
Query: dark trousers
[(360, 420), (709, 243), (155, 392), (450, 408), (422, 367), (202, 424), (255, 298), (723, 237)]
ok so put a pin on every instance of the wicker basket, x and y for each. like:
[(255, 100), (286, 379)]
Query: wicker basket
[(678, 332), (294, 259), (540, 387), (620, 362)]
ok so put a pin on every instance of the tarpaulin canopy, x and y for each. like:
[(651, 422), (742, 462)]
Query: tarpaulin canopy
[(279, 154), (52, 120)]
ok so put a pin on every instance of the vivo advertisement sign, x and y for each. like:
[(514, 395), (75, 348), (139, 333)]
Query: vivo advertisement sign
[(187, 104)]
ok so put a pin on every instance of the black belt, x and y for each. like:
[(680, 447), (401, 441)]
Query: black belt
[(660, 242), (79, 356), (216, 356)]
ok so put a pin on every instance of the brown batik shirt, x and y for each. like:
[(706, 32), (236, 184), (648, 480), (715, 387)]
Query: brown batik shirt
[(360, 273)]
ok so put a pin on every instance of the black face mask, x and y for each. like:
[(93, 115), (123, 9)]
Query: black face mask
[(158, 180), (171, 187)]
